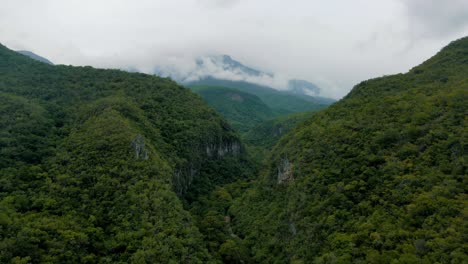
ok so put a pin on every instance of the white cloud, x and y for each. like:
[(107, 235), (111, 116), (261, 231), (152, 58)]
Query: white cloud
[(336, 43)]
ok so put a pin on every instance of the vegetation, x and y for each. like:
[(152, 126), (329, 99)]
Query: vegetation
[(280, 102), (104, 166), (379, 177), (268, 133), (242, 110), (91, 161)]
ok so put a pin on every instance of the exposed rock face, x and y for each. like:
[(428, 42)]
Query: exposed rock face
[(138, 145), (292, 228), (278, 130), (225, 148), (184, 176), (285, 171), (236, 97)]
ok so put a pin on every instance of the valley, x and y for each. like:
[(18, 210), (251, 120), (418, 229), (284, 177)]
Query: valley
[(107, 166)]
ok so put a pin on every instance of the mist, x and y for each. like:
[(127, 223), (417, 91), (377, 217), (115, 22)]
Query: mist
[(334, 44)]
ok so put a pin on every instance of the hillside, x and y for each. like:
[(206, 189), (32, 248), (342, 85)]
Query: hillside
[(268, 133), (242, 110), (34, 56), (95, 165), (378, 177), (281, 102), (106, 166)]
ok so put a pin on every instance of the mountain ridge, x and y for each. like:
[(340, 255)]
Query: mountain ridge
[(225, 68), (34, 56)]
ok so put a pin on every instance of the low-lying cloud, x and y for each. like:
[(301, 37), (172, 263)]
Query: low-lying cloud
[(334, 44)]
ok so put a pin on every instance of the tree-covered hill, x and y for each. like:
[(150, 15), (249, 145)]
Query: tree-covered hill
[(379, 177), (91, 162), (269, 132), (34, 56), (261, 139), (281, 102), (242, 110), (104, 166)]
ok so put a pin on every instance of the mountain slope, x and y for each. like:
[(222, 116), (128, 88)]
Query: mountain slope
[(242, 110), (281, 102), (34, 56), (91, 162), (268, 133), (379, 177)]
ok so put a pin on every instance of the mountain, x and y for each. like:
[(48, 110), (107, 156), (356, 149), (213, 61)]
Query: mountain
[(223, 71), (378, 177), (96, 166), (302, 87), (280, 102), (242, 110), (34, 56), (228, 64), (224, 68), (106, 166), (269, 132)]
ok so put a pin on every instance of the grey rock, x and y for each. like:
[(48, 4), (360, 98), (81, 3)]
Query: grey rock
[(138, 145)]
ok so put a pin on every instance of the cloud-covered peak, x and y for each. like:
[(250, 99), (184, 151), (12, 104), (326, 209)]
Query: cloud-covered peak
[(224, 67)]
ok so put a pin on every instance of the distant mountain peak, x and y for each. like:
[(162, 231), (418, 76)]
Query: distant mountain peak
[(303, 87), (224, 62), (34, 56), (225, 68)]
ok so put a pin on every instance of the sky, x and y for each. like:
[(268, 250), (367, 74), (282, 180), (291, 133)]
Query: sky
[(334, 43)]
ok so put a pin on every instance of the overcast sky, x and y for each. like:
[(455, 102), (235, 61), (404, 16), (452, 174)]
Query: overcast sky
[(334, 43)]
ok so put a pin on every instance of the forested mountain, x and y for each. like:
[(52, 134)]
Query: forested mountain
[(281, 102), (34, 56), (379, 177), (242, 110), (220, 68), (91, 162), (106, 166), (268, 133)]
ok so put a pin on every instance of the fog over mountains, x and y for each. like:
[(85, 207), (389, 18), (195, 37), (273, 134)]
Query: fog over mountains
[(215, 68), (224, 67)]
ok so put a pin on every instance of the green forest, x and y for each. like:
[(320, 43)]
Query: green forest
[(107, 166)]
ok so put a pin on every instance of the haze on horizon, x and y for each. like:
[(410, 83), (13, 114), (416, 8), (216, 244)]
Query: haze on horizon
[(335, 44)]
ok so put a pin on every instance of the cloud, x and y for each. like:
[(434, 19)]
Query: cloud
[(218, 3), (436, 18), (335, 43), (219, 67)]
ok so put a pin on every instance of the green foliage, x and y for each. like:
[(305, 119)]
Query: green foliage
[(243, 110), (212, 216), (281, 102), (269, 132), (103, 166), (91, 161), (248, 106), (379, 177)]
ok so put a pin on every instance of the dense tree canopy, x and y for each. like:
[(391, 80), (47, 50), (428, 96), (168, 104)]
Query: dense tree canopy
[(104, 166), (379, 177), (91, 161)]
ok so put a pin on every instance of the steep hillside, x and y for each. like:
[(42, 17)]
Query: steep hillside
[(91, 162), (379, 177), (268, 133), (242, 110)]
